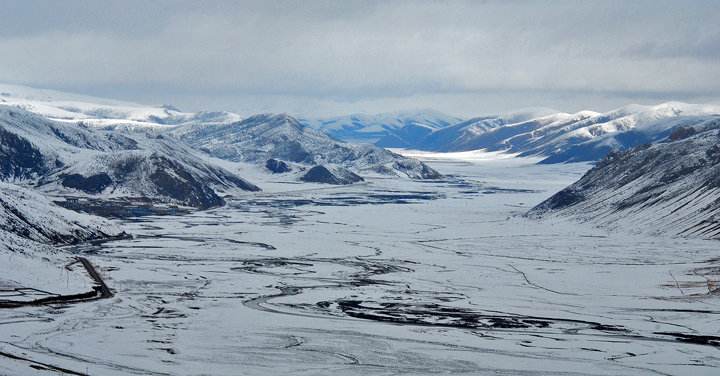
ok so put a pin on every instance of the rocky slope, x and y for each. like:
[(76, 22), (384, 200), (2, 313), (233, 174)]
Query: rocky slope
[(72, 158), (281, 137), (672, 187)]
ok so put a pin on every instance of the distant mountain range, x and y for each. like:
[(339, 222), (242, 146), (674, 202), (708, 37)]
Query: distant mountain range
[(555, 137), (75, 145), (395, 130), (552, 136), (578, 137)]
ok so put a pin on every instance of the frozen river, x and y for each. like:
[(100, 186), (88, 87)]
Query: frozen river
[(385, 278)]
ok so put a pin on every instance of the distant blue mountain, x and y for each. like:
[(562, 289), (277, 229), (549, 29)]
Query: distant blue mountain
[(400, 129)]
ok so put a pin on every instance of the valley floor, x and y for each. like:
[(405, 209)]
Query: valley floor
[(384, 278)]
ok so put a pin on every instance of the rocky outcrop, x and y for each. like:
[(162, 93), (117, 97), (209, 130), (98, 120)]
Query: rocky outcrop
[(91, 184), (336, 176), (277, 166)]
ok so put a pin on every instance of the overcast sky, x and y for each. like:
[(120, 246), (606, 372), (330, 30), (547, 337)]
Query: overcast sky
[(317, 58)]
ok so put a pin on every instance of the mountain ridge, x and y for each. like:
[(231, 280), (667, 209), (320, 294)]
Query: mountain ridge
[(671, 187), (564, 137), (263, 137), (54, 156)]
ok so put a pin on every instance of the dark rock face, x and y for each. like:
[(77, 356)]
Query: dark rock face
[(18, 157), (177, 183), (321, 174), (92, 184), (277, 166)]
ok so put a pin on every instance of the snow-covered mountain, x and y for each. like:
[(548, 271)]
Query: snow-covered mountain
[(282, 137), (74, 108), (670, 187), (563, 137), (73, 158), (398, 129)]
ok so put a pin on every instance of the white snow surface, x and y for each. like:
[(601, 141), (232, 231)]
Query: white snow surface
[(387, 277)]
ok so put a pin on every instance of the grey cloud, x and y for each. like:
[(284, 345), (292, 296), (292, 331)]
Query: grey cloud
[(322, 55)]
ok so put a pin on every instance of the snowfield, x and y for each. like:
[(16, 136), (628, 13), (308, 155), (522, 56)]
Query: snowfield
[(387, 277)]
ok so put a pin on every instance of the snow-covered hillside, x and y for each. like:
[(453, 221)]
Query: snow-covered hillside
[(397, 129), (30, 228), (672, 187), (29, 215), (262, 137), (73, 158), (67, 107)]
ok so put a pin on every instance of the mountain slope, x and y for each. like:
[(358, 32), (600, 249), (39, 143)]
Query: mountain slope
[(671, 187), (111, 163), (31, 227), (31, 216), (282, 137)]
